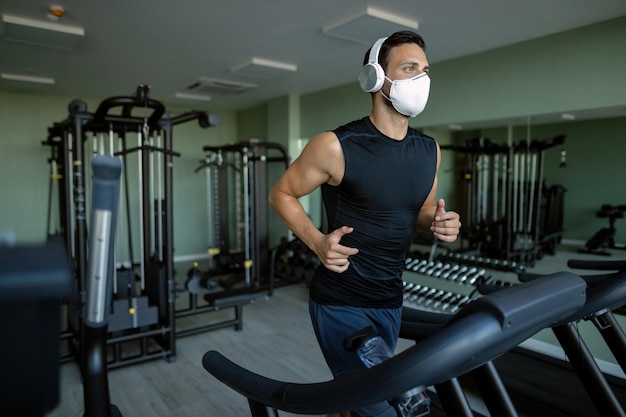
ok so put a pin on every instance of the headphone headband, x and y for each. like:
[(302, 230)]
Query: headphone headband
[(375, 51)]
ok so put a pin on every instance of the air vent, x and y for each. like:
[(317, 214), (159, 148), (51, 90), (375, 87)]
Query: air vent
[(206, 85)]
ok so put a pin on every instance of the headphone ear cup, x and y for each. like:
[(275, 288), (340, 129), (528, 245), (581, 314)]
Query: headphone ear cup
[(371, 77)]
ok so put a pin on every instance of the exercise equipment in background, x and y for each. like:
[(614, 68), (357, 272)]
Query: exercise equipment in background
[(139, 131), (509, 213), (238, 270), (604, 238)]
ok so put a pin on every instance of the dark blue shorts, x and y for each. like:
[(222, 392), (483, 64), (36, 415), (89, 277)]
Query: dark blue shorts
[(332, 324)]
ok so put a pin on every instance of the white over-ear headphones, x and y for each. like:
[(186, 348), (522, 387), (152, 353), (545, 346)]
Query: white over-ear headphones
[(372, 75)]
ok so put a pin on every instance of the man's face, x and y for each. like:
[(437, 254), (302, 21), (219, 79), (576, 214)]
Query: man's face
[(406, 61)]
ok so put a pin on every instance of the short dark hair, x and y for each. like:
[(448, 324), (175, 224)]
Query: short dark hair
[(397, 38)]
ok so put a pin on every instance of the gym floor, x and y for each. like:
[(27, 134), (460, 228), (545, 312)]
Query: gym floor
[(277, 341)]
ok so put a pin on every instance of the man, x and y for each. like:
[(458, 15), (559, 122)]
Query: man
[(379, 182)]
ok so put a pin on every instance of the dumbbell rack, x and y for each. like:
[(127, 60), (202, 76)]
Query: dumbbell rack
[(449, 281)]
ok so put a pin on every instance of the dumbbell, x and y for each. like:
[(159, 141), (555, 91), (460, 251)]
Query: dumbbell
[(435, 297), (412, 263), (481, 272), (452, 301), (406, 285), (418, 265), (424, 267), (446, 275), (446, 266), (458, 273), (435, 267), (427, 295), (412, 290), (466, 275), (415, 297), (463, 301), (443, 299)]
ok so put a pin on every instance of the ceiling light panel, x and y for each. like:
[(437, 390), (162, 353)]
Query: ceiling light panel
[(41, 32), (194, 97), (213, 86), (263, 69), (367, 26), (27, 78)]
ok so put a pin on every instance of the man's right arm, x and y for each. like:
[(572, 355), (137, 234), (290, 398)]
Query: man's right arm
[(321, 161)]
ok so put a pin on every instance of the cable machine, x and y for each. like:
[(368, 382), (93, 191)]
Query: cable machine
[(137, 130), (238, 233), (510, 215)]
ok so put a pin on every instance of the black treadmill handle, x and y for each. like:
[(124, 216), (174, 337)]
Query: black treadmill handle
[(416, 366), (481, 331), (591, 280), (421, 316), (597, 265)]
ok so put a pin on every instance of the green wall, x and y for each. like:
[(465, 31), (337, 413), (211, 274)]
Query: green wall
[(573, 70), (24, 171), (191, 230)]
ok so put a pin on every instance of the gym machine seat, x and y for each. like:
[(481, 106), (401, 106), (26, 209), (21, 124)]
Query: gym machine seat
[(481, 331)]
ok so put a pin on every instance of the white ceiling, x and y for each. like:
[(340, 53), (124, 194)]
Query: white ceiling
[(170, 44)]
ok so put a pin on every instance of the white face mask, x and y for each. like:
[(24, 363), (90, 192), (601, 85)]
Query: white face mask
[(409, 97)]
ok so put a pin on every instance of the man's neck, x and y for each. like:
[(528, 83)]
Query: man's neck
[(390, 122)]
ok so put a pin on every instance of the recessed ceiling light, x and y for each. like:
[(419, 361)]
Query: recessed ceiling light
[(27, 78), (368, 25), (263, 68), (197, 97), (41, 32)]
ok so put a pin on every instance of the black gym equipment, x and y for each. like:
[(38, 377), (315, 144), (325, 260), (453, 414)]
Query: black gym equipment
[(481, 331), (509, 213), (239, 254), (604, 238), (139, 131), (244, 168), (450, 397), (292, 261), (100, 273), (35, 280)]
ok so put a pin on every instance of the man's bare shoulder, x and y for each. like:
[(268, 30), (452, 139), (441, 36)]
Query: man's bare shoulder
[(324, 151)]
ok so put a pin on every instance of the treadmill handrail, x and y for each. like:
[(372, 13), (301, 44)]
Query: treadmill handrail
[(619, 265), (477, 334)]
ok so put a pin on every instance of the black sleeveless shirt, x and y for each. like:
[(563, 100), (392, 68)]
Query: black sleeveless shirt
[(384, 186)]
